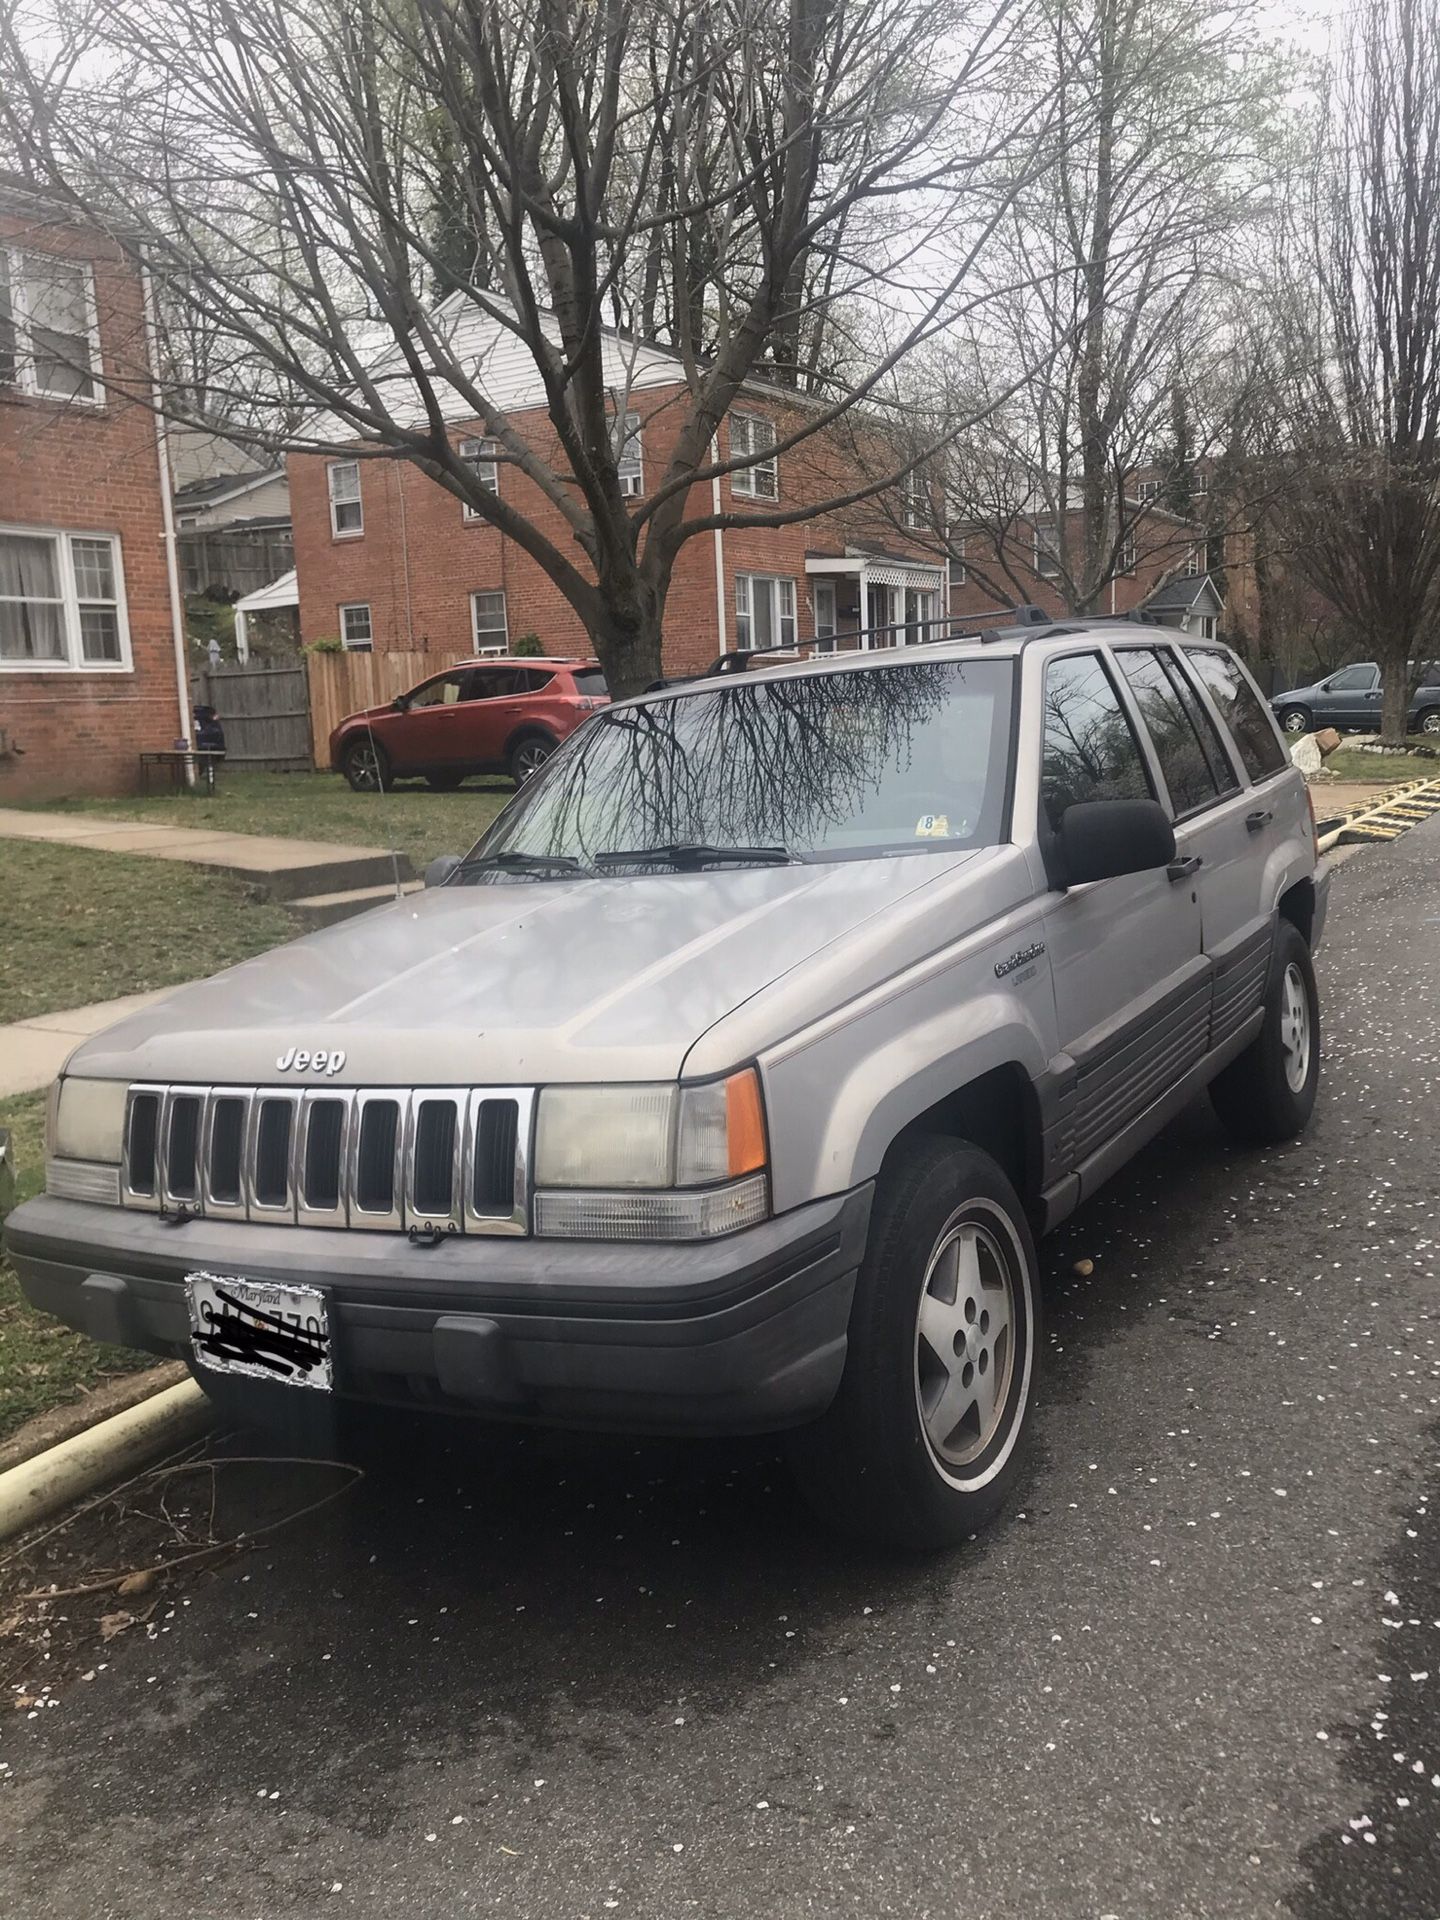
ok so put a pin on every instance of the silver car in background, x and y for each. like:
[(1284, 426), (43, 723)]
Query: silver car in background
[(725, 1085)]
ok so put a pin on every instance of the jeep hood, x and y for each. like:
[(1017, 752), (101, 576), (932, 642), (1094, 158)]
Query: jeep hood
[(517, 983)]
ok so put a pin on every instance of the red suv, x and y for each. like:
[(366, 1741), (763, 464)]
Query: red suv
[(481, 716)]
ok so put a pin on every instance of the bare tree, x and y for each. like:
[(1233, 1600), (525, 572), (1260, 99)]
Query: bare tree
[(741, 179), (1363, 500), (1119, 258)]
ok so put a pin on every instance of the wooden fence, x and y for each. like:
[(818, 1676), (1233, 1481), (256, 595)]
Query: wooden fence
[(342, 683), (265, 712)]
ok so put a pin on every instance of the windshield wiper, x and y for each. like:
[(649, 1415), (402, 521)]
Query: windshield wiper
[(523, 863), (695, 853)]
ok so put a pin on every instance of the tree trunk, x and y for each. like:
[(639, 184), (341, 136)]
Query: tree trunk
[(1395, 696), (627, 632)]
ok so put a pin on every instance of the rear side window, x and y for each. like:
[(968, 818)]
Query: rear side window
[(534, 679), (1090, 751), (1173, 722), (590, 682), (1251, 727)]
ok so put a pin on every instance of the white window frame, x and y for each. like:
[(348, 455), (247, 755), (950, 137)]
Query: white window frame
[(337, 532), (487, 648), (24, 381), (1147, 491), (480, 454), (780, 589), (1192, 568), (1128, 555), (1046, 564), (367, 645), (632, 477), (958, 573), (70, 603), (915, 508), (761, 481)]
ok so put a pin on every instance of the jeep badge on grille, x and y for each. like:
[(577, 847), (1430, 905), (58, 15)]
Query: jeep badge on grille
[(299, 1059)]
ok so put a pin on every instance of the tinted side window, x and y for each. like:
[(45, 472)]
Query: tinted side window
[(591, 682), (1250, 725), (493, 683), (533, 679), (444, 692), (1178, 745), (1090, 750)]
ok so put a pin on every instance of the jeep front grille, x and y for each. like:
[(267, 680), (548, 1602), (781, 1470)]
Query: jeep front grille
[(430, 1158)]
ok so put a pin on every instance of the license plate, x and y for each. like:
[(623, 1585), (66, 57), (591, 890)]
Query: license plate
[(260, 1329)]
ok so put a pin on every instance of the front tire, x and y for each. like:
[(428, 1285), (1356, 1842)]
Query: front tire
[(1429, 721), (1295, 719), (925, 1437), (366, 766), (1268, 1094)]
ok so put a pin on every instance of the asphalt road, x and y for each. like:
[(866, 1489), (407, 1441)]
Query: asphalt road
[(1195, 1671)]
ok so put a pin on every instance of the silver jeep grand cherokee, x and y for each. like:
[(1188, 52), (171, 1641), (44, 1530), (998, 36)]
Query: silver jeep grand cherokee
[(723, 1087)]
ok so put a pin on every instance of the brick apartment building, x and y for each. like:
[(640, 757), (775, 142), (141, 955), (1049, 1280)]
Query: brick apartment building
[(91, 672), (386, 559), (1163, 567)]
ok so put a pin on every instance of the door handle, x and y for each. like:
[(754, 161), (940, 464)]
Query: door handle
[(1183, 868), (1260, 818)]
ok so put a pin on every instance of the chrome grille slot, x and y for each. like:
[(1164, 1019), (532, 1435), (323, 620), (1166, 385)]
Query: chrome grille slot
[(270, 1156), (434, 1158), (433, 1195), (140, 1175), (182, 1148), (222, 1151), (492, 1180), (377, 1145)]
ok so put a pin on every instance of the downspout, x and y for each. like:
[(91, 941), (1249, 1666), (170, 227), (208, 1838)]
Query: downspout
[(719, 552), (167, 518), (405, 563)]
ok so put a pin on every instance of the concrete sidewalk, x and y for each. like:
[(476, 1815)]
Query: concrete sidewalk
[(33, 1051)]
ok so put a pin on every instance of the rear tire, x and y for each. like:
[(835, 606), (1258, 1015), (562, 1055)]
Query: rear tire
[(443, 782), (1268, 1094), (366, 766), (924, 1440), (1295, 719), (528, 756)]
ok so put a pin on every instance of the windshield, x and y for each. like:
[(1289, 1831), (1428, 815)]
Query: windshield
[(904, 758)]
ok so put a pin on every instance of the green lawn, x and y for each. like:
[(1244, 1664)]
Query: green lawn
[(1349, 763), (320, 806), (78, 926), (42, 1364)]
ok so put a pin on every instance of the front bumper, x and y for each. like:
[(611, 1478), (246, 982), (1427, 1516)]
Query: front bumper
[(741, 1335)]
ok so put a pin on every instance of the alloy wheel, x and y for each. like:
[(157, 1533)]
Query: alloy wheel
[(1295, 1028), (965, 1342)]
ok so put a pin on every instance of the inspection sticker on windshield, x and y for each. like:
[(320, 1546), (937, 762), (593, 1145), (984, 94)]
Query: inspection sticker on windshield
[(933, 826), (257, 1328)]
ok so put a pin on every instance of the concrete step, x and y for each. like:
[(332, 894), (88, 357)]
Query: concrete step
[(302, 875), (325, 909)]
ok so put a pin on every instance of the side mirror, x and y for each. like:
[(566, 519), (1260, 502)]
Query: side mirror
[(441, 868), (399, 704), (1101, 839)]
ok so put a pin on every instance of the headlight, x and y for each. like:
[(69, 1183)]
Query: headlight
[(89, 1120), (626, 1160)]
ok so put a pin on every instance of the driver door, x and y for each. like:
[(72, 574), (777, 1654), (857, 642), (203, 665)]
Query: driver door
[(431, 730), (1132, 985), (1352, 697)]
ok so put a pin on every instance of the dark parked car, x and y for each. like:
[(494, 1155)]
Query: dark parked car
[(1351, 698), (480, 716)]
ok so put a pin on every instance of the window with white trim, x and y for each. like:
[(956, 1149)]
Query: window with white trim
[(347, 512), (488, 623), (62, 602), (1047, 549), (822, 600), (752, 437), (479, 456), (49, 341), (630, 460), (1149, 490), (958, 575), (357, 633), (1192, 563), (1127, 549), (916, 495), (764, 611)]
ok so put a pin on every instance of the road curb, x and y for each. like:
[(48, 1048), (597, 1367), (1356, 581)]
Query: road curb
[(42, 1486)]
